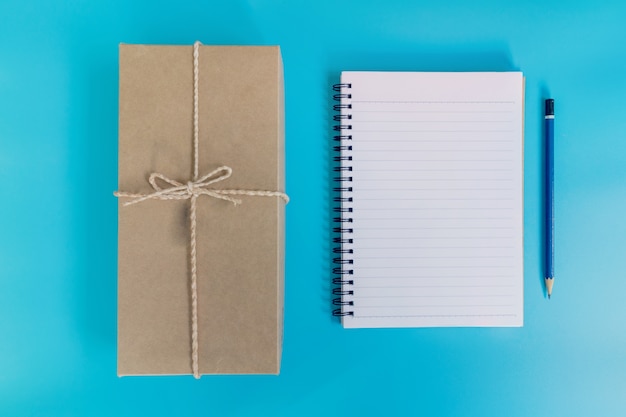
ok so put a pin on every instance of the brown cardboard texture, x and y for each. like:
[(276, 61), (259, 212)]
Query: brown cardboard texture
[(240, 248)]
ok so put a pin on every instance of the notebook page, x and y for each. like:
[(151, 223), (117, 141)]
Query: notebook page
[(437, 199)]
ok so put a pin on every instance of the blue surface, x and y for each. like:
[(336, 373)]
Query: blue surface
[(58, 164)]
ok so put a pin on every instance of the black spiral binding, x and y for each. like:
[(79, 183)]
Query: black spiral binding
[(343, 251)]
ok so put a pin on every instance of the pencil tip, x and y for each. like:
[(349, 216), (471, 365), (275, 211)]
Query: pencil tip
[(549, 283)]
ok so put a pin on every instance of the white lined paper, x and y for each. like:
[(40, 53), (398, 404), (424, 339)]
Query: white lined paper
[(437, 189)]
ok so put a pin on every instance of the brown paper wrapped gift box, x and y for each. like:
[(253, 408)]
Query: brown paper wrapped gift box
[(240, 249)]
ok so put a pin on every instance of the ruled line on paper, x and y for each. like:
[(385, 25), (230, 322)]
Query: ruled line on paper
[(435, 121), (431, 277), (438, 286), (412, 141), (432, 102), (437, 267), (437, 218), (388, 316), (356, 110), (433, 131), (437, 305)]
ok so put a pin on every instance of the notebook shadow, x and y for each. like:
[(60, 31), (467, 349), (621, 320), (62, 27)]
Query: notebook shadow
[(454, 58)]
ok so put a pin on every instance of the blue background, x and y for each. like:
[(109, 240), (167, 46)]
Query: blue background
[(58, 168)]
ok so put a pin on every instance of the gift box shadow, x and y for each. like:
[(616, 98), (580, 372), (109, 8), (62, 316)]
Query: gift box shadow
[(93, 170)]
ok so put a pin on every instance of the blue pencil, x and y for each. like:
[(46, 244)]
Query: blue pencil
[(549, 215)]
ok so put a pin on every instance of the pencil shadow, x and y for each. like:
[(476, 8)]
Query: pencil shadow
[(544, 93)]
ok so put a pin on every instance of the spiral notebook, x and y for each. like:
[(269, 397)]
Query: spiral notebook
[(429, 174)]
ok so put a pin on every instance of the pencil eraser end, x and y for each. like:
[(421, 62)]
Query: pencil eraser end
[(550, 107)]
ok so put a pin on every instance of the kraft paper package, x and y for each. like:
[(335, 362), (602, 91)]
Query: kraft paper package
[(238, 235)]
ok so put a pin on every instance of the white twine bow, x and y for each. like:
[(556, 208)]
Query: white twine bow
[(192, 190), (180, 191)]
